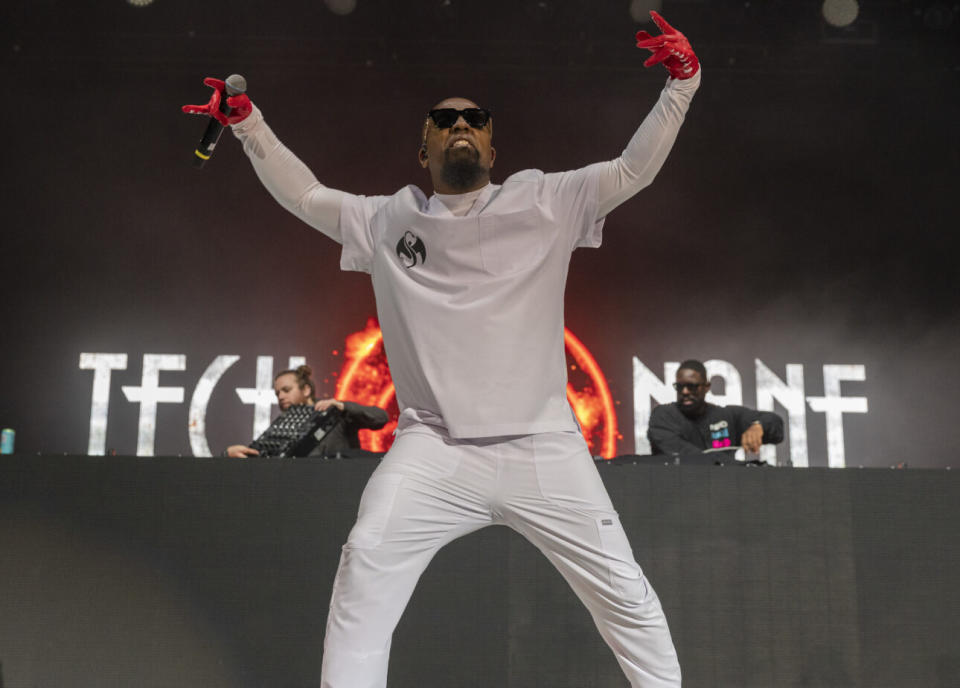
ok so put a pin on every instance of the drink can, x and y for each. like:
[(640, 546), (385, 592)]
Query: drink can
[(6, 441)]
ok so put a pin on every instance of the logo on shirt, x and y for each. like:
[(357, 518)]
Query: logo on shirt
[(720, 434), (410, 250)]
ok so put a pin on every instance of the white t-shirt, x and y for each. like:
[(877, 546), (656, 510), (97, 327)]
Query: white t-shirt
[(471, 307)]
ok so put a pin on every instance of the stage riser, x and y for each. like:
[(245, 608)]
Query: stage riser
[(122, 571)]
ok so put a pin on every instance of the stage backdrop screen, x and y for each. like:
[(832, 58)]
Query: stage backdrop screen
[(800, 238)]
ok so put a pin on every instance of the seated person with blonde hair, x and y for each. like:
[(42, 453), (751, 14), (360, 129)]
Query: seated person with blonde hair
[(296, 387)]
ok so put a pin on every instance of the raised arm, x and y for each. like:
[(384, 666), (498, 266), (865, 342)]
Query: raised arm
[(356, 415), (287, 179), (360, 416), (647, 150)]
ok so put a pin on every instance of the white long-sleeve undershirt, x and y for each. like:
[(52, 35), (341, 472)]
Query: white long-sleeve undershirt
[(296, 188)]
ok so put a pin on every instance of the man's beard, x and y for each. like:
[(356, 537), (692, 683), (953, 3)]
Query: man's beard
[(460, 171), (695, 411)]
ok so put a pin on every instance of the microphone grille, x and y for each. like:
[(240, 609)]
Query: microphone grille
[(235, 84)]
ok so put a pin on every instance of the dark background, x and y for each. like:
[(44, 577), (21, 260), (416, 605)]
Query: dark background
[(806, 214)]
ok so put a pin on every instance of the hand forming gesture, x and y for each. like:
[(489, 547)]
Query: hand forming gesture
[(239, 108), (670, 48), (752, 439)]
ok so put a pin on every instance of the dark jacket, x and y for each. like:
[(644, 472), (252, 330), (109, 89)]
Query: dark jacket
[(344, 435), (671, 432)]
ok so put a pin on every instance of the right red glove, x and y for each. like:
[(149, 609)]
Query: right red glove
[(240, 105), (671, 48)]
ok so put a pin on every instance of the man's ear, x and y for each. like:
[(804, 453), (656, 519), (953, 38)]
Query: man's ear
[(706, 385), (493, 155), (422, 155)]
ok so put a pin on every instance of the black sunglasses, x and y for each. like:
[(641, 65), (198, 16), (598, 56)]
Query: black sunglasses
[(694, 386), (445, 118)]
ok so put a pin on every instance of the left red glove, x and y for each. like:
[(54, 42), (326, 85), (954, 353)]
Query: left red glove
[(671, 48), (240, 105)]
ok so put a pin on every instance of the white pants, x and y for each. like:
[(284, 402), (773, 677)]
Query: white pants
[(431, 489)]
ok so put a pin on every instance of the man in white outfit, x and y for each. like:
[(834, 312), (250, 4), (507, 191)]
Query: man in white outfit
[(469, 287)]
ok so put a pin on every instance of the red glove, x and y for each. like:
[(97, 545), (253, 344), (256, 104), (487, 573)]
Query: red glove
[(671, 48), (240, 105)]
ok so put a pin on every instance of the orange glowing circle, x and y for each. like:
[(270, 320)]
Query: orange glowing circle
[(365, 379), (588, 363)]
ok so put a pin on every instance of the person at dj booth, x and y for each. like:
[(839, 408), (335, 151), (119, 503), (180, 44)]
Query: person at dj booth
[(691, 425), (296, 387)]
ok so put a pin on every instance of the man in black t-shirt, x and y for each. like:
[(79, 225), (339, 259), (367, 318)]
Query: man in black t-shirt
[(690, 425)]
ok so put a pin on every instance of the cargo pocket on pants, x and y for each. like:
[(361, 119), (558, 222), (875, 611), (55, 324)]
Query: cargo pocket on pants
[(626, 577), (376, 506)]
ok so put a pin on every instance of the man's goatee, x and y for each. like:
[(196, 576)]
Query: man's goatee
[(461, 172)]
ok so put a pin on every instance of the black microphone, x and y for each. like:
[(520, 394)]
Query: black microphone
[(234, 85)]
